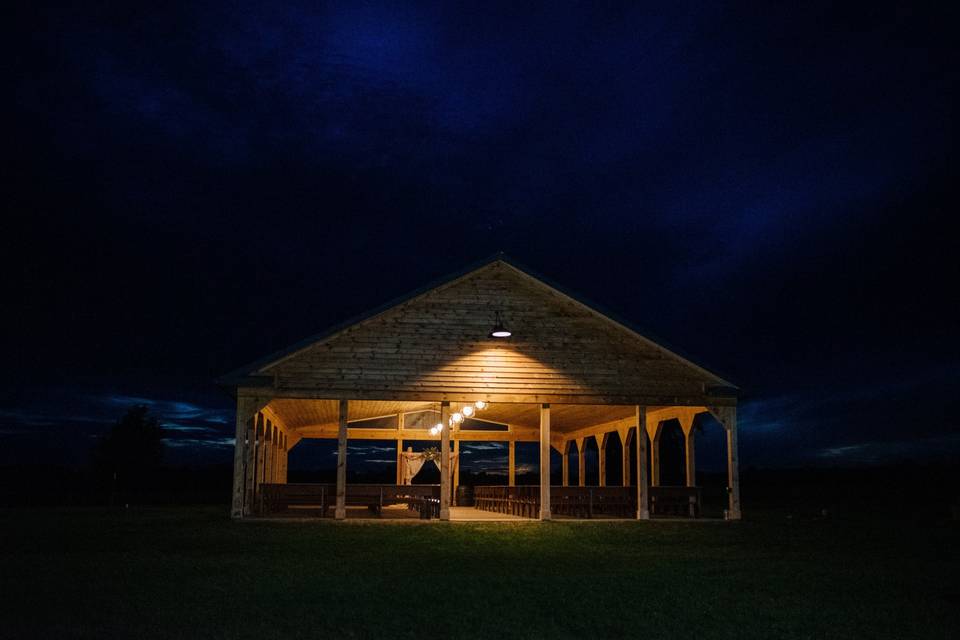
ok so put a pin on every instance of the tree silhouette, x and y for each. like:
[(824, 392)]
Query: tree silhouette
[(128, 457)]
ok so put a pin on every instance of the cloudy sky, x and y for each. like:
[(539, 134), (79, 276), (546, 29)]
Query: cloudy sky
[(767, 189)]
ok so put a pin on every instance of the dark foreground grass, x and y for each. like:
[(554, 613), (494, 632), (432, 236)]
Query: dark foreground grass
[(193, 573)]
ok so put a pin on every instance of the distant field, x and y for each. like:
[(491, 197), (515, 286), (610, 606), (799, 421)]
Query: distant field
[(183, 572)]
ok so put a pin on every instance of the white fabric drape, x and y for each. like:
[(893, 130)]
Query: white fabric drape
[(411, 463)]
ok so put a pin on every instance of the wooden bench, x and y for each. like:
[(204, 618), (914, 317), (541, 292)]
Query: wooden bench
[(521, 501), (675, 501), (301, 497)]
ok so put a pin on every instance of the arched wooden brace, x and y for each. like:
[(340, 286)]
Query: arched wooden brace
[(601, 439), (686, 425), (654, 429), (581, 463)]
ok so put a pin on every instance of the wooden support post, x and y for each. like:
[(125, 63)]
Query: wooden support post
[(258, 463), (456, 470), (512, 463), (279, 465), (625, 437), (269, 451), (601, 459), (401, 423), (341, 510), (278, 468), (277, 454), (445, 461), (261, 456), (686, 424), (643, 497), (565, 464), (581, 464), (545, 462), (399, 461), (251, 470), (242, 471), (728, 418), (655, 456)]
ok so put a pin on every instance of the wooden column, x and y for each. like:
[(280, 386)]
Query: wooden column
[(565, 464), (655, 456), (545, 462), (251, 470), (257, 462), (512, 463), (728, 418), (269, 449), (456, 470), (279, 466), (399, 461), (581, 464), (400, 426), (272, 468), (686, 424), (445, 461), (625, 441), (602, 459), (242, 471), (643, 498), (341, 510), (261, 455)]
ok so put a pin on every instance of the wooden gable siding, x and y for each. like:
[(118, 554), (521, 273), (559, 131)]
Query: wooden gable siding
[(436, 346)]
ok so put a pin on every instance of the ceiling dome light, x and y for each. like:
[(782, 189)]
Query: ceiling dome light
[(467, 411), (500, 331)]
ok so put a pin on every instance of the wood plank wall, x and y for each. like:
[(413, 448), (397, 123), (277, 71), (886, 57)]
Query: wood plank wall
[(436, 346)]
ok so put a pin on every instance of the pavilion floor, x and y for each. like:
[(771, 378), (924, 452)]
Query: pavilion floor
[(472, 514), (400, 513)]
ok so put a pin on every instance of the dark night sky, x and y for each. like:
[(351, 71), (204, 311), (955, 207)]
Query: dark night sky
[(766, 189)]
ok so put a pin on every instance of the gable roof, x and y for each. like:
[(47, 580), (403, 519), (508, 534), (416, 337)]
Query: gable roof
[(253, 373)]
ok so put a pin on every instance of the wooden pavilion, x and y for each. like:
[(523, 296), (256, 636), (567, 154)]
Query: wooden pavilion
[(567, 373)]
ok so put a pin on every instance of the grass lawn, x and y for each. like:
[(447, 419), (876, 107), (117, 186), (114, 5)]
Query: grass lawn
[(191, 572)]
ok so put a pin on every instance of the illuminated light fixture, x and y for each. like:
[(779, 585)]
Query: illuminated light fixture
[(480, 405), (467, 411), (456, 418), (500, 331)]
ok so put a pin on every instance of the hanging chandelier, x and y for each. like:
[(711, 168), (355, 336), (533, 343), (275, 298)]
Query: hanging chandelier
[(457, 417)]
